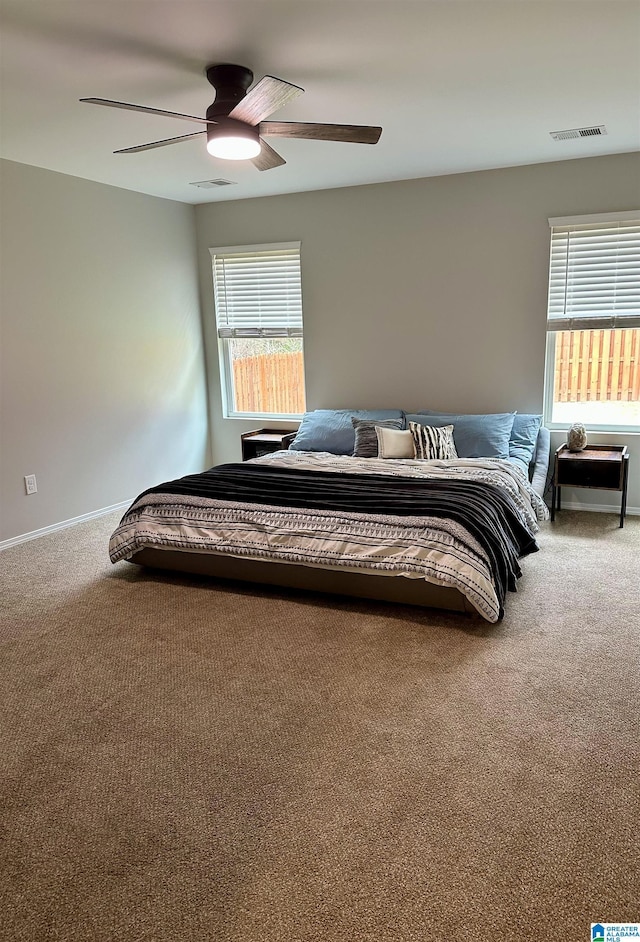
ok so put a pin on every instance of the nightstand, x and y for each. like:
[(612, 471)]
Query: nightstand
[(604, 467), (263, 441)]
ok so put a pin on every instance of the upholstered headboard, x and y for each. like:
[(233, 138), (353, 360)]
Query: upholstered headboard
[(539, 468)]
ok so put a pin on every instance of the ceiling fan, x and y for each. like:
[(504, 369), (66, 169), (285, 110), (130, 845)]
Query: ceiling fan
[(235, 128)]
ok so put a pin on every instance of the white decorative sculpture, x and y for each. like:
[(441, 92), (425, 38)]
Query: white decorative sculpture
[(577, 437)]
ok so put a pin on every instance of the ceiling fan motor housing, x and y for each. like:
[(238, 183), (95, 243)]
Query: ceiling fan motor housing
[(231, 83)]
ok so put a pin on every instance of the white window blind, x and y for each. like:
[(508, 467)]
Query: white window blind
[(258, 292), (594, 280)]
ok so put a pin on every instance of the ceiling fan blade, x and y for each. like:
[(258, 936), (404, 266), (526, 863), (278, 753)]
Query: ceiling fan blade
[(263, 99), (169, 140), (128, 107), (268, 158), (350, 133)]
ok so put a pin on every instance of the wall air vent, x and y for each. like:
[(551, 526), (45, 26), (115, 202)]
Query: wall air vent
[(595, 131), (210, 184)]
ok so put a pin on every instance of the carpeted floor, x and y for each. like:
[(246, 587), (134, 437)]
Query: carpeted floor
[(188, 760)]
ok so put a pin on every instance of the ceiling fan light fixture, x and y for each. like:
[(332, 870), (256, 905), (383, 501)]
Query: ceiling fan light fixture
[(233, 140)]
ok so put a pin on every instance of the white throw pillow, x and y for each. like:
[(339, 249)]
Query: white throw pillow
[(395, 443)]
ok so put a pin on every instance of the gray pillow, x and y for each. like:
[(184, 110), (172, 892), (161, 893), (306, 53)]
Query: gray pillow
[(524, 435), (475, 436), (331, 429), (366, 445)]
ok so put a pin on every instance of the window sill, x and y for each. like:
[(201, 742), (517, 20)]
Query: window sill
[(261, 417), (596, 429)]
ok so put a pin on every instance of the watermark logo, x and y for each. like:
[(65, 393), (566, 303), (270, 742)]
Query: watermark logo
[(615, 932)]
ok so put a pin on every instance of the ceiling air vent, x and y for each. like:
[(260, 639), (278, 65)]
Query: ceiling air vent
[(595, 131), (210, 184)]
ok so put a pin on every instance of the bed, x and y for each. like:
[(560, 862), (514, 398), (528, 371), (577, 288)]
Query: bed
[(443, 533)]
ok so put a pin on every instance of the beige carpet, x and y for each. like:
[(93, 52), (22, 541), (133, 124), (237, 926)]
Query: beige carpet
[(183, 760)]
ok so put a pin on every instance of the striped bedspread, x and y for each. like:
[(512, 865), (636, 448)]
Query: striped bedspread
[(295, 507)]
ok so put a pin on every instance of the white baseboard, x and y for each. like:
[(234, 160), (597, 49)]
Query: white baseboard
[(598, 508), (35, 534)]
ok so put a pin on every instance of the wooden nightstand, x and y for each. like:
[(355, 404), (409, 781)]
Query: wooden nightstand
[(604, 467), (263, 441)]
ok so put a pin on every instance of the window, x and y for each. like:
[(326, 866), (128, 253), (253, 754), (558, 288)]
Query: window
[(593, 323), (258, 301)]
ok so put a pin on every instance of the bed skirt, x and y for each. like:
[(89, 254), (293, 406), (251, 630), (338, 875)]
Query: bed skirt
[(289, 575)]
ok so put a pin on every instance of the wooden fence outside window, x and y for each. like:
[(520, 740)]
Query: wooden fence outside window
[(591, 366), (271, 383), (597, 366)]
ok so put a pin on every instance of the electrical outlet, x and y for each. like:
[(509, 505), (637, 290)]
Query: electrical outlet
[(30, 484)]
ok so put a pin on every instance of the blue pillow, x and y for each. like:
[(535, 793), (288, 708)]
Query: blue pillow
[(332, 430), (524, 436), (475, 436)]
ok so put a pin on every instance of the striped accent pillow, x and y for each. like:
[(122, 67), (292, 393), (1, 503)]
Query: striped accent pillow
[(431, 442), (366, 445)]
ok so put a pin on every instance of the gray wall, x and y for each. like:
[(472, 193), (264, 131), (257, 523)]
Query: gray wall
[(418, 294), (102, 387), (424, 293)]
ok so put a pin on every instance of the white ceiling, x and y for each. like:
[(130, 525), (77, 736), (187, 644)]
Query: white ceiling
[(457, 85)]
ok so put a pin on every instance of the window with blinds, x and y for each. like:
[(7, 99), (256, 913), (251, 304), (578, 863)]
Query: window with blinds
[(258, 304), (594, 278), (593, 322), (257, 291)]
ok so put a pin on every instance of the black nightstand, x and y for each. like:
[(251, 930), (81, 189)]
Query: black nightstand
[(263, 441), (605, 467)]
